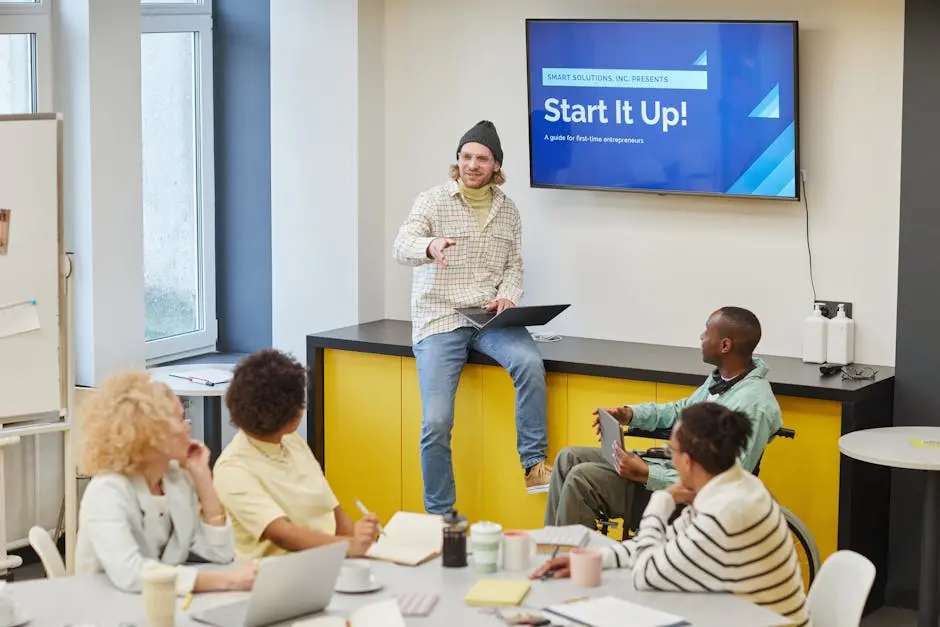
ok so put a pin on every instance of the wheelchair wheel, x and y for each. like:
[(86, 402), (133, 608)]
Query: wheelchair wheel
[(806, 550)]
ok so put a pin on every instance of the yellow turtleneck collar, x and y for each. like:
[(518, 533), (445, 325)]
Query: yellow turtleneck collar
[(480, 200), (471, 194)]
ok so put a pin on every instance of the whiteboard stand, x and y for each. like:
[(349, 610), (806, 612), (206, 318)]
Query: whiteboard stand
[(6, 561)]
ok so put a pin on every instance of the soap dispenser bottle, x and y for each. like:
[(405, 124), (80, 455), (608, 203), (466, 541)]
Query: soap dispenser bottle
[(815, 327), (840, 345)]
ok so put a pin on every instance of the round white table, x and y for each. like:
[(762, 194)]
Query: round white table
[(914, 448), (211, 395)]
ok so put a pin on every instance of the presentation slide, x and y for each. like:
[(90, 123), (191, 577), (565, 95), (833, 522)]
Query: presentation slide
[(671, 107)]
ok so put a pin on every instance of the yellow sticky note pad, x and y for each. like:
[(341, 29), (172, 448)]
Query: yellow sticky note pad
[(497, 592), (925, 443)]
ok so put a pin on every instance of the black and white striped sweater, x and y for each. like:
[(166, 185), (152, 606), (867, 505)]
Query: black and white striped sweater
[(734, 538)]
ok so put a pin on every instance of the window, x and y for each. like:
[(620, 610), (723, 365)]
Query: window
[(25, 32), (178, 178)]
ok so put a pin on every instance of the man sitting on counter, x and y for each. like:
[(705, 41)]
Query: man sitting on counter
[(584, 483), (464, 240)]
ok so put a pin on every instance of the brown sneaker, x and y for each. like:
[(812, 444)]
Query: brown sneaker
[(536, 482)]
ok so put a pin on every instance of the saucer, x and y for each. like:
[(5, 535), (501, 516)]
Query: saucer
[(373, 586)]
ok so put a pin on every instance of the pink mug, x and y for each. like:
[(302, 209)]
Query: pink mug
[(586, 567)]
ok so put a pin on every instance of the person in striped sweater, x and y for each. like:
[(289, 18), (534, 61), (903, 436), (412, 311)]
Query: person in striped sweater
[(731, 537)]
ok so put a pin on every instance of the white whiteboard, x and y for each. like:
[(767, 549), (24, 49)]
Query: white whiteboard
[(31, 361)]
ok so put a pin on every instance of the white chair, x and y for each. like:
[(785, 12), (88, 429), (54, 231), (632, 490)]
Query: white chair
[(838, 594), (47, 551)]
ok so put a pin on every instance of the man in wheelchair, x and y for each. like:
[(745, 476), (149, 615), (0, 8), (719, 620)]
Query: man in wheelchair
[(585, 486)]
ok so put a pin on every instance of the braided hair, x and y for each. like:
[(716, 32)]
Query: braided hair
[(712, 435)]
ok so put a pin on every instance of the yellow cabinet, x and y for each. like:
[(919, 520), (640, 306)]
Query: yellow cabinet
[(505, 499), (803, 473), (362, 396), (669, 392), (585, 394), (466, 441), (372, 423)]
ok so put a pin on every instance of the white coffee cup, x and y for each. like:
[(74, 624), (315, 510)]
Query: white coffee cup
[(354, 575), (7, 606), (159, 592), (518, 549), (485, 540)]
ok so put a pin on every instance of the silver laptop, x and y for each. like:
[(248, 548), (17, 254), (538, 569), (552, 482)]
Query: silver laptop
[(287, 586)]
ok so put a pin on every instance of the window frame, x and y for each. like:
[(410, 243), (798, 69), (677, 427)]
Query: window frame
[(34, 18), (194, 18)]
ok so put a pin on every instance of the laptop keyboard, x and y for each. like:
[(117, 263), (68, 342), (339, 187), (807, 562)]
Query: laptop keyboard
[(481, 318)]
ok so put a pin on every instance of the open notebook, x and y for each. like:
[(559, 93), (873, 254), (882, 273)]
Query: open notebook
[(409, 539), (614, 612), (382, 614)]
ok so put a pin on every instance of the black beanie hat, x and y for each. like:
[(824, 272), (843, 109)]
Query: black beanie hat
[(483, 133)]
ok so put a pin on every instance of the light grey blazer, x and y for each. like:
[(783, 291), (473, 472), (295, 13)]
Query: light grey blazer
[(118, 525)]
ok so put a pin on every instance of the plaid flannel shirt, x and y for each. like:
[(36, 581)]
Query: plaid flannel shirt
[(484, 265)]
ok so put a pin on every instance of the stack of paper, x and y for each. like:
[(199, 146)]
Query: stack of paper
[(383, 614), (409, 539), (614, 612), (416, 603)]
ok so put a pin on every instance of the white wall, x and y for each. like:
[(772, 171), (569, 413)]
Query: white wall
[(100, 100), (647, 268), (371, 146), (327, 209)]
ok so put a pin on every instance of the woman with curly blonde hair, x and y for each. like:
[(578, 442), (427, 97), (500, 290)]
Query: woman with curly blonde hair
[(151, 498)]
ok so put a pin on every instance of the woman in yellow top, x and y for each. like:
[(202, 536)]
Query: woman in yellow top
[(268, 479)]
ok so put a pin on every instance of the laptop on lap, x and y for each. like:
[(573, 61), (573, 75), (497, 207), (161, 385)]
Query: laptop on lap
[(526, 316), (286, 587)]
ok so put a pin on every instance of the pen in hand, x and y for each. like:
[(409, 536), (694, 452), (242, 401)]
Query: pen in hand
[(551, 571), (365, 511)]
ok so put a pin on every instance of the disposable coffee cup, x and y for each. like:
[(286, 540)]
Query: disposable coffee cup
[(158, 587)]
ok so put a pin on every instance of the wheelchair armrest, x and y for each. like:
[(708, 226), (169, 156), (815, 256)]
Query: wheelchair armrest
[(655, 453), (663, 434), (658, 434)]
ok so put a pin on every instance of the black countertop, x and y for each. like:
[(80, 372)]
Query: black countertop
[(622, 360)]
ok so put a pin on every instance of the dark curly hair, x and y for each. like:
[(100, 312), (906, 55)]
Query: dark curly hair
[(712, 435), (268, 391)]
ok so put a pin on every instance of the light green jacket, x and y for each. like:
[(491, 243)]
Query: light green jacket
[(752, 396)]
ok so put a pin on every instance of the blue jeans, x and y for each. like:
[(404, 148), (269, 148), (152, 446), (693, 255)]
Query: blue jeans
[(440, 359)]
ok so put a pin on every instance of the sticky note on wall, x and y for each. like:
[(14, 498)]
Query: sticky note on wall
[(16, 318), (4, 230)]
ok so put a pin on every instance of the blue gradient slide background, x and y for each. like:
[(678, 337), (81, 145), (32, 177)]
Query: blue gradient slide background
[(739, 133)]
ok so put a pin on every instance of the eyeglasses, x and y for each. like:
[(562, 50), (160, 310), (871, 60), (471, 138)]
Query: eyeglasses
[(858, 373)]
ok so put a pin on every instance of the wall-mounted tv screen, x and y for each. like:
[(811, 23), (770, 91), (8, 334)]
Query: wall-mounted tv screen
[(664, 106)]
